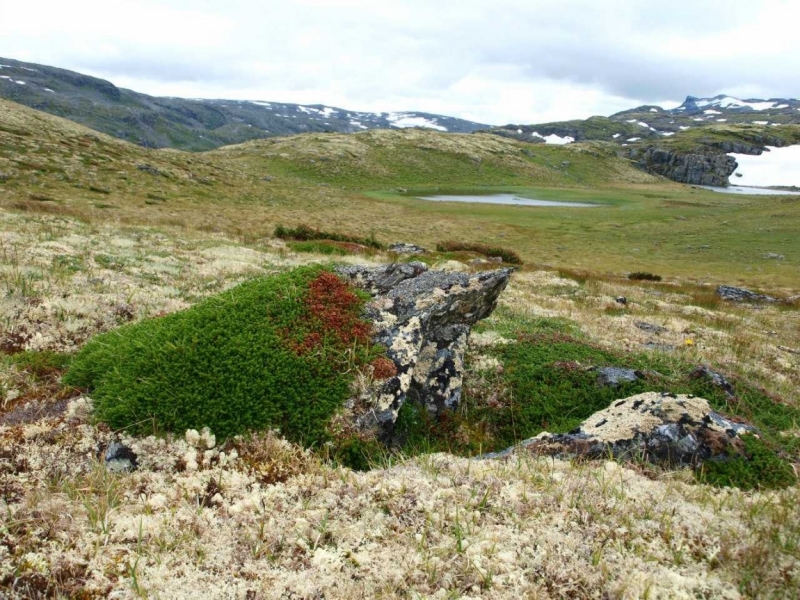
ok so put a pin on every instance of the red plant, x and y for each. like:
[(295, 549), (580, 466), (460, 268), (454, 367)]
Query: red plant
[(333, 313), (383, 368)]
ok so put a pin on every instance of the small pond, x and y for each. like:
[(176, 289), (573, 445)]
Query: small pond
[(753, 191), (506, 199)]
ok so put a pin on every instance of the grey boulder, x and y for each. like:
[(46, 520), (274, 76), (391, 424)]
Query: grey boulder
[(664, 429)]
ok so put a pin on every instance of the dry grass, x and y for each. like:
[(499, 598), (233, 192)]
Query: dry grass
[(199, 520), (262, 518)]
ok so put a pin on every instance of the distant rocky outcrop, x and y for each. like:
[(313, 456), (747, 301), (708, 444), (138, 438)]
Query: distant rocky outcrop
[(423, 318), (696, 168), (665, 429)]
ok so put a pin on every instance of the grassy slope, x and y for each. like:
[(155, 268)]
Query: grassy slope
[(351, 183)]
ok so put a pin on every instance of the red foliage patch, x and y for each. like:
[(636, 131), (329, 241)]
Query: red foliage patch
[(383, 368), (333, 314)]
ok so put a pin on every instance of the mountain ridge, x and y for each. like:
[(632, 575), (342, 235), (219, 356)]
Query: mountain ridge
[(653, 122), (190, 124)]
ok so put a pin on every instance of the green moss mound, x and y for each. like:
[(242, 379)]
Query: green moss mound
[(270, 353)]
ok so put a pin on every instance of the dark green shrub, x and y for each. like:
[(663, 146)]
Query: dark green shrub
[(508, 256), (759, 468), (320, 247), (304, 233), (644, 276), (270, 353), (357, 454)]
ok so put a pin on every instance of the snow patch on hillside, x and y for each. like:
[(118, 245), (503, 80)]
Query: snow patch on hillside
[(779, 166), (731, 102), (553, 138), (405, 120)]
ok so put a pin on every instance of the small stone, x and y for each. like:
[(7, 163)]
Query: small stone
[(148, 169), (120, 459), (650, 328), (659, 347), (717, 379), (613, 376)]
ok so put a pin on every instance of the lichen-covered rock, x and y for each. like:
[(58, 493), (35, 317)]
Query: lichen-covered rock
[(406, 248), (614, 376), (661, 428), (423, 318), (734, 294)]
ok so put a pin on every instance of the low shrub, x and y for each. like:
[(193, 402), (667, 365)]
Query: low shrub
[(644, 276), (508, 256), (304, 233), (321, 247), (758, 468), (272, 353)]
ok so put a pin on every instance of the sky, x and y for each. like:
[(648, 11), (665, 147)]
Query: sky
[(494, 62)]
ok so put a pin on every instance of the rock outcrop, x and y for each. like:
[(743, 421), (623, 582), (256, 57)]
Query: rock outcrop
[(696, 168), (423, 318), (406, 248), (663, 429), (734, 294)]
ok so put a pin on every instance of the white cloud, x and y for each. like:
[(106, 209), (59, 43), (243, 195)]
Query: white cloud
[(519, 61)]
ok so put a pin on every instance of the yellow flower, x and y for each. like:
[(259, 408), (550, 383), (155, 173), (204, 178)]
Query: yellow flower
[(689, 342)]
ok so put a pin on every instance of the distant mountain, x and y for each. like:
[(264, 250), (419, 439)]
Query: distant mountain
[(652, 122), (186, 123)]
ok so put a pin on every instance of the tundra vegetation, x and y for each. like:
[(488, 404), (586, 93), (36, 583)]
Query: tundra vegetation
[(266, 508)]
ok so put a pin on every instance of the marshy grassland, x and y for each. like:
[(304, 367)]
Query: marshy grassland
[(96, 233)]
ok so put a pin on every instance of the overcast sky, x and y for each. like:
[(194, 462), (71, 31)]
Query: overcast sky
[(492, 61)]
